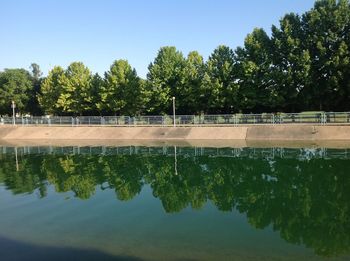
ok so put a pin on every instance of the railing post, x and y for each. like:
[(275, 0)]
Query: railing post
[(322, 119)]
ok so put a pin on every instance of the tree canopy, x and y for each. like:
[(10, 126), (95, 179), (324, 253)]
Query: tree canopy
[(121, 93), (15, 85)]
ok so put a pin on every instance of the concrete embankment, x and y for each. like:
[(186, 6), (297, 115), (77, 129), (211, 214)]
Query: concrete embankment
[(243, 133), (122, 133), (298, 132)]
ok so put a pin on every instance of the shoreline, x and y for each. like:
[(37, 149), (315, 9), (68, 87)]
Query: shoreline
[(229, 136)]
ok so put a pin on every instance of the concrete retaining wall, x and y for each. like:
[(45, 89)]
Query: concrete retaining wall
[(122, 133), (253, 132), (298, 132)]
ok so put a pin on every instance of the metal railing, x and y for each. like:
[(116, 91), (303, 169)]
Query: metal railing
[(167, 120)]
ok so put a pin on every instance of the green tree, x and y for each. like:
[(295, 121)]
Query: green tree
[(36, 72), (15, 85), (165, 79), (76, 95), (291, 65), (122, 90), (209, 94), (190, 97), (33, 105), (50, 91), (220, 80), (96, 90), (327, 29), (253, 63)]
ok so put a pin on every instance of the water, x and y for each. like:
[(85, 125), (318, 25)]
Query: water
[(174, 203)]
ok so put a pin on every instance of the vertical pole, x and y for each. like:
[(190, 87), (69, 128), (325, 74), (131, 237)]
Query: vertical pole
[(13, 105), (174, 111)]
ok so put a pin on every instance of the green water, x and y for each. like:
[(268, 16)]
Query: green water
[(174, 203)]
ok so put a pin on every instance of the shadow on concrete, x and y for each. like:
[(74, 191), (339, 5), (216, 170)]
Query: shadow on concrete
[(12, 250)]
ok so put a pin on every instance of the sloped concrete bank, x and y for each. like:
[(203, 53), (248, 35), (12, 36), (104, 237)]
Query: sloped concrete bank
[(248, 133), (298, 132), (122, 133)]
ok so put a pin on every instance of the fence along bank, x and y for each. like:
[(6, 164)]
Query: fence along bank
[(166, 120)]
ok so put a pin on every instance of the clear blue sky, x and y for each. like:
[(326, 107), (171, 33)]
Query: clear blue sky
[(58, 32)]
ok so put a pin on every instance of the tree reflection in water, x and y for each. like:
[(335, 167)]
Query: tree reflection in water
[(306, 196)]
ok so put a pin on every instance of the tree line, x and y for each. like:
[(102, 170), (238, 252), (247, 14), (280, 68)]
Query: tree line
[(303, 65)]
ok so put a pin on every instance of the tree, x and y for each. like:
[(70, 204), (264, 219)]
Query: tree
[(96, 89), (122, 90), (291, 65), (15, 85), (76, 96), (327, 27), (253, 63), (165, 79), (190, 97), (50, 91), (220, 80), (33, 105), (36, 72)]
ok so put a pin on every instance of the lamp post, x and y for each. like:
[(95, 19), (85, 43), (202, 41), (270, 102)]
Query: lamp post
[(174, 111), (13, 106)]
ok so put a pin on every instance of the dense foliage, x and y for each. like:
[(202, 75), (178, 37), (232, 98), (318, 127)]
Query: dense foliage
[(303, 65)]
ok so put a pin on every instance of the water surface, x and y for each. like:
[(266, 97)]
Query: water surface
[(174, 203)]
